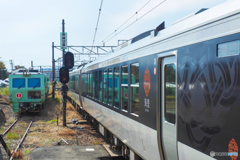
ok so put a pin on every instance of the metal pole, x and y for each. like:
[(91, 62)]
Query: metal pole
[(53, 72), (64, 92), (32, 64)]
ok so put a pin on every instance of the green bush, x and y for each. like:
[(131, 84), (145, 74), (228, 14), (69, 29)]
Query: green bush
[(4, 91), (58, 100), (53, 120)]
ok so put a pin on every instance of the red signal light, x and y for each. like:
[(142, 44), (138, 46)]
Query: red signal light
[(64, 75)]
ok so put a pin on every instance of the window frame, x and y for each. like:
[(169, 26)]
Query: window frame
[(19, 78), (131, 91), (225, 42), (121, 90), (34, 78), (165, 106), (105, 93)]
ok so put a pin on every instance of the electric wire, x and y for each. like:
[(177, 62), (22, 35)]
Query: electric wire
[(106, 40), (96, 26), (125, 22)]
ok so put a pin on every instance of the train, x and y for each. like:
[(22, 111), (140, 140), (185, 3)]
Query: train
[(28, 90), (169, 93)]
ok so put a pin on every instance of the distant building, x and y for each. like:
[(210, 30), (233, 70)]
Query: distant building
[(50, 74)]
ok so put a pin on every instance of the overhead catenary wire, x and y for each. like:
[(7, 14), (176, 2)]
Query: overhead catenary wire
[(99, 13), (116, 33), (126, 21)]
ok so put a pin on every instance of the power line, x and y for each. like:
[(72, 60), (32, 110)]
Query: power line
[(106, 39), (97, 24), (126, 21)]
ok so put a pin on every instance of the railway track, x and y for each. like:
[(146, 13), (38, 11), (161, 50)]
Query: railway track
[(9, 153)]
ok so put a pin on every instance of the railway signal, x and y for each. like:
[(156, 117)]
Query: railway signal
[(64, 88), (64, 75), (69, 60)]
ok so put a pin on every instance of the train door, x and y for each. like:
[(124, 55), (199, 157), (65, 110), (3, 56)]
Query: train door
[(168, 110)]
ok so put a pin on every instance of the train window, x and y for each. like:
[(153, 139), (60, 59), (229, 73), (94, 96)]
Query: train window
[(229, 48), (124, 88), (110, 87), (71, 82), (93, 82), (90, 85), (84, 84), (34, 94), (100, 85), (87, 81), (34, 82), (170, 93), (116, 87), (105, 86), (18, 83), (96, 85), (134, 103), (76, 83)]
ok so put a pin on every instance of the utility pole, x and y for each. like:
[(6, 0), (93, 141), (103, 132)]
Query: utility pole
[(64, 93), (11, 63), (53, 72)]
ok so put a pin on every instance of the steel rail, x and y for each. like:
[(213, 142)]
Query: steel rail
[(9, 128), (2, 140), (22, 139)]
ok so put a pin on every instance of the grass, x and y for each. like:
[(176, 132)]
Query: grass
[(4, 91), (67, 132), (27, 152), (53, 120), (57, 100), (12, 136), (49, 141), (1, 130)]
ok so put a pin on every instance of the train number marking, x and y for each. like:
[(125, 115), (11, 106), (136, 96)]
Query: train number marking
[(19, 95)]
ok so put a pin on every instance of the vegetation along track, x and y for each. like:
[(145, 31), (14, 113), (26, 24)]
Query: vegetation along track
[(12, 138)]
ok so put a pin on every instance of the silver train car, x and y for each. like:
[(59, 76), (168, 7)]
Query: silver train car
[(169, 93)]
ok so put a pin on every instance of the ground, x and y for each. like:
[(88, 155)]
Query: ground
[(44, 130)]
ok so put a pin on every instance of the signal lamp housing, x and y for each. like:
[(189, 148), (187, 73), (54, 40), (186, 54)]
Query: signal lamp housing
[(64, 75)]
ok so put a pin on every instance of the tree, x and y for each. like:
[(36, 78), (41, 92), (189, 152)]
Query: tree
[(3, 71), (17, 67)]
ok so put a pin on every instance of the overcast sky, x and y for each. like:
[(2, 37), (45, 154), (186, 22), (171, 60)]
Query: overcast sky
[(29, 27)]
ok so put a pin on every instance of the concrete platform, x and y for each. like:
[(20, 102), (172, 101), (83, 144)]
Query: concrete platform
[(91, 152)]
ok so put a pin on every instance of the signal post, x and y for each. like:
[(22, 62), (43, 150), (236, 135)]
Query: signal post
[(68, 63), (64, 78)]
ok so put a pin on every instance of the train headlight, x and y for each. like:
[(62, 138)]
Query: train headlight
[(21, 105), (35, 105)]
